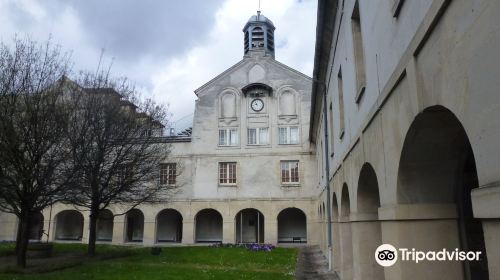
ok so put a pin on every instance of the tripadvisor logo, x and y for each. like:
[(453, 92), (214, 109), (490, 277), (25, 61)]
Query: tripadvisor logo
[(387, 255)]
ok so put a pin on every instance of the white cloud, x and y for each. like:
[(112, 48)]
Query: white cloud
[(295, 30)]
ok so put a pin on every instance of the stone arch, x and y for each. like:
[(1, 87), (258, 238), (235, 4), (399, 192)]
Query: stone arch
[(335, 207), (437, 169), (169, 226), (368, 197), (208, 226), (366, 230), (287, 100), (105, 223), (36, 226), (69, 225), (345, 203), (134, 226), (249, 226), (292, 226)]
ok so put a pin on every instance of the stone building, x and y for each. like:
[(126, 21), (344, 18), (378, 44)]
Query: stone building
[(399, 121), (411, 115), (244, 172)]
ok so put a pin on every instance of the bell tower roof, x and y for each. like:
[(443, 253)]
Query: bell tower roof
[(259, 36)]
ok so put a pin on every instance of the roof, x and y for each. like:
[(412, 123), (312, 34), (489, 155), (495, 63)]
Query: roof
[(259, 18), (241, 62), (324, 37)]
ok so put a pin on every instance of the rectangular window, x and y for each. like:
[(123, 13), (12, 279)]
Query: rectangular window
[(288, 135), (258, 136), (228, 137), (290, 172), (359, 56), (341, 104), (227, 173), (168, 173)]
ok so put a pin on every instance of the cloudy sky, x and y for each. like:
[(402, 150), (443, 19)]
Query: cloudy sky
[(168, 48)]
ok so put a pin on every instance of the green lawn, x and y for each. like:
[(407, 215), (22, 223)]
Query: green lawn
[(173, 263)]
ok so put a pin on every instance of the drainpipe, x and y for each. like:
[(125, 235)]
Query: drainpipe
[(327, 174)]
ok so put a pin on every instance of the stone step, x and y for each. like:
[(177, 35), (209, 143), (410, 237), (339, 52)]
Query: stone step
[(312, 265)]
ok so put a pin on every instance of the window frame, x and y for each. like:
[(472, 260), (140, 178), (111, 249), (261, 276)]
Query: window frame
[(289, 170), (258, 131), (165, 173), (226, 167), (227, 137), (358, 52), (289, 135)]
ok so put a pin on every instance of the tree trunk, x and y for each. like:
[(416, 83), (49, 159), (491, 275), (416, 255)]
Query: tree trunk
[(23, 234), (18, 236), (92, 232)]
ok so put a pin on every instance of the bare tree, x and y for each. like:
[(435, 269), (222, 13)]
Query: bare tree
[(115, 143), (35, 166)]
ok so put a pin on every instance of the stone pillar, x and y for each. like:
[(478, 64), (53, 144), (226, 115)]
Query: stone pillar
[(486, 207), (345, 249), (312, 229), (188, 231), (119, 229), (425, 227), (8, 227), (366, 237), (491, 229), (271, 231), (149, 234), (228, 230), (86, 225), (336, 246)]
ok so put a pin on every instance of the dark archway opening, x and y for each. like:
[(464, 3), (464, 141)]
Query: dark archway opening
[(169, 226), (36, 227), (208, 224), (249, 226), (105, 226), (69, 225), (292, 226), (134, 225)]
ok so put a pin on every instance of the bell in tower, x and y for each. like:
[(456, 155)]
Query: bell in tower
[(259, 36)]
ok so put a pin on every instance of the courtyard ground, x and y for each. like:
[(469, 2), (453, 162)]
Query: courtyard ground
[(119, 262)]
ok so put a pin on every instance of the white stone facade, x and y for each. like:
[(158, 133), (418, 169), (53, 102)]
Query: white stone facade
[(413, 130)]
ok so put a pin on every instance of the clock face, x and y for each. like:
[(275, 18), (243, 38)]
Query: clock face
[(257, 105)]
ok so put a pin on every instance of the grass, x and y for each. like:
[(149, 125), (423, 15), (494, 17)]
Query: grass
[(172, 263)]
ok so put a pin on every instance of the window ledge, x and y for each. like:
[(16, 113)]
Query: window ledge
[(228, 147), (227, 185), (290, 185)]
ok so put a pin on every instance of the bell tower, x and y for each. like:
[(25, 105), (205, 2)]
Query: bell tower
[(259, 36)]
